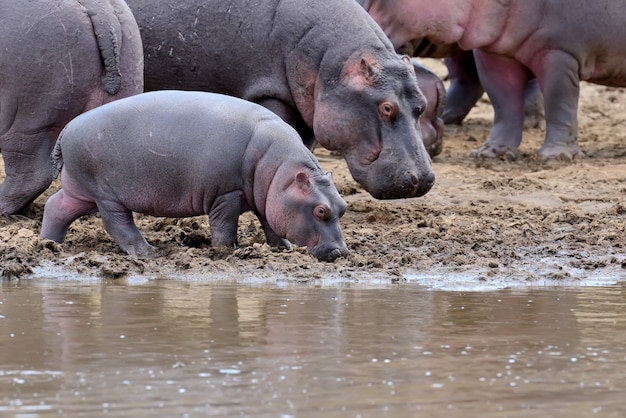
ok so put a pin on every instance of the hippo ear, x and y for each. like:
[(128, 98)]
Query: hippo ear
[(329, 174), (360, 72), (302, 180)]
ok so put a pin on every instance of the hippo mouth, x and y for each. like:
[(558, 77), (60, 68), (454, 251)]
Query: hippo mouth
[(329, 254), (386, 175)]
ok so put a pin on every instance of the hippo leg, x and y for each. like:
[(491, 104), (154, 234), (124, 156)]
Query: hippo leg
[(60, 211), (504, 80), (224, 218), (557, 73), (27, 167), (465, 88), (270, 236), (118, 222), (533, 105)]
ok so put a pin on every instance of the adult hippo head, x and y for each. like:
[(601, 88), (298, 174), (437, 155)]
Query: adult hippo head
[(370, 115)]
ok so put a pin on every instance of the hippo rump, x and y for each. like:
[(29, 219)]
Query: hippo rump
[(323, 66), (181, 153), (558, 41), (59, 58)]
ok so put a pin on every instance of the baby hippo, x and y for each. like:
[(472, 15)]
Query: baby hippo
[(183, 153)]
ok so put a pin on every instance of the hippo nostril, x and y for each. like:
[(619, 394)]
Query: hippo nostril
[(429, 180), (334, 254), (413, 178)]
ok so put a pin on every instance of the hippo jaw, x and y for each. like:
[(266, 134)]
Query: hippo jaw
[(393, 176), (328, 253)]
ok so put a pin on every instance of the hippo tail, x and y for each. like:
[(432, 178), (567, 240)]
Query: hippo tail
[(107, 30), (56, 158)]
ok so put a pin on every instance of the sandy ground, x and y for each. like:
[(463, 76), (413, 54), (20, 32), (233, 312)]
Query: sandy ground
[(487, 221)]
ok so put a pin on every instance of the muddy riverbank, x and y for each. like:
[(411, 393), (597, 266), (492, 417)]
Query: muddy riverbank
[(524, 221)]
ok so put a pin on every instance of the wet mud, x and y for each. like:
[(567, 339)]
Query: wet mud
[(500, 221)]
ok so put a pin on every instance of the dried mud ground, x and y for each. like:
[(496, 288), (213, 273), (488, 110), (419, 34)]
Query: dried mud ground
[(485, 222)]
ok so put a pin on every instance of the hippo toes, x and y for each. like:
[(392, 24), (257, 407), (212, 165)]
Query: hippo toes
[(180, 154), (495, 150), (563, 152)]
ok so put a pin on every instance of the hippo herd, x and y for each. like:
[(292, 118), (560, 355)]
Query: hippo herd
[(178, 109)]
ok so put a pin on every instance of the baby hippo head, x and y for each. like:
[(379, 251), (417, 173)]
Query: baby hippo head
[(306, 211)]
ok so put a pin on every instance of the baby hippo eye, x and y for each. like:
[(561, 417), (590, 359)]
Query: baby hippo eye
[(320, 212), (387, 110)]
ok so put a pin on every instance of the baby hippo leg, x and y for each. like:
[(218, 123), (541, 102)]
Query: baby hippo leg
[(60, 211), (118, 222)]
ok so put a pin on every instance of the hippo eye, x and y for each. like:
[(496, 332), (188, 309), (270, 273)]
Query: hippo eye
[(387, 110), (320, 212)]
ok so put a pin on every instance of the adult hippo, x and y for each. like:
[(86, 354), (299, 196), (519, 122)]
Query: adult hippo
[(186, 153), (559, 42), (59, 58), (323, 66)]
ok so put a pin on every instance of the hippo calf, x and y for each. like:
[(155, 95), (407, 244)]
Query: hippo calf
[(182, 153), (559, 42)]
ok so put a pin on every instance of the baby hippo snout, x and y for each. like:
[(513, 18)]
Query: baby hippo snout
[(330, 252)]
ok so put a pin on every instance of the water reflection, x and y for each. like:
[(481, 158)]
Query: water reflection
[(170, 347)]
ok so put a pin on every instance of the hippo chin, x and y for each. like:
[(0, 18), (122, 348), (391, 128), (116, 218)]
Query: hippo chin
[(179, 154)]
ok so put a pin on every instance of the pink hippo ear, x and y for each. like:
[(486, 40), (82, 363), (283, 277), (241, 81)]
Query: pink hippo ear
[(302, 180), (360, 72)]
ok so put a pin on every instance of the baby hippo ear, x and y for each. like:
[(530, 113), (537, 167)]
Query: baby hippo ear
[(302, 180), (329, 174)]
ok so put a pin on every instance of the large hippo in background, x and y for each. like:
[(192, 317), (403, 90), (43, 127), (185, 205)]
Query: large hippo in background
[(559, 42), (323, 66), (59, 58), (184, 153)]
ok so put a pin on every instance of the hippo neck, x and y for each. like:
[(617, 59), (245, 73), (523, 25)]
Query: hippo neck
[(271, 162)]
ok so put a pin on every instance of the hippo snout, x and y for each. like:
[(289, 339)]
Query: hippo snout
[(408, 184), (421, 184), (330, 253)]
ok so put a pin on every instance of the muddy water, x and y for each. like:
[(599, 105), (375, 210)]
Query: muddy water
[(200, 348)]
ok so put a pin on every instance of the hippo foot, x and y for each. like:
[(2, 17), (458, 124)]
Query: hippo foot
[(146, 250), (561, 152), (453, 117), (491, 150)]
